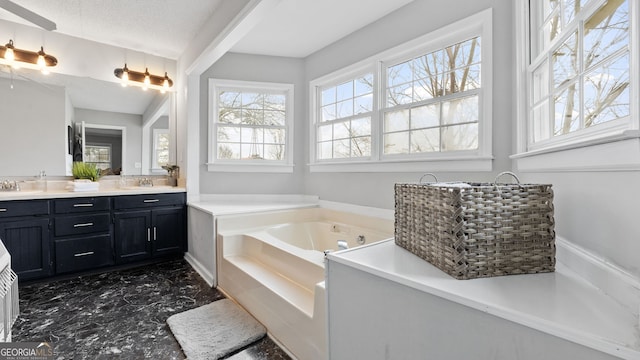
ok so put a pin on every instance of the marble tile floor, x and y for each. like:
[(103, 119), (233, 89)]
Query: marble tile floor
[(120, 314)]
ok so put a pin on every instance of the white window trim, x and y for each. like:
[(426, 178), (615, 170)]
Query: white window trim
[(479, 160), (346, 74), (154, 155), (613, 148), (269, 166)]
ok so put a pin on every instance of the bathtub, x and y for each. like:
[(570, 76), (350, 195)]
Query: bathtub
[(272, 264)]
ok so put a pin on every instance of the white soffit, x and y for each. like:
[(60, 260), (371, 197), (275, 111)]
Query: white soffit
[(298, 28)]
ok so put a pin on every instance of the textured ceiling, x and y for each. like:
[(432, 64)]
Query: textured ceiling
[(157, 27)]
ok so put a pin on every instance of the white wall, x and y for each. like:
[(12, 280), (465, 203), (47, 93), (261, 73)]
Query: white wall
[(262, 69), (417, 18), (133, 124), (598, 211), (32, 129)]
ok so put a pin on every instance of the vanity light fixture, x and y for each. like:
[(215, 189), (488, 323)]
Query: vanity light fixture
[(16, 58), (145, 80)]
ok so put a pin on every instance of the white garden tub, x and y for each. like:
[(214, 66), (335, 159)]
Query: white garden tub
[(273, 265)]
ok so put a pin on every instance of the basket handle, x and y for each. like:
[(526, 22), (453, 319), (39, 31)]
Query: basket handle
[(495, 182), (428, 174)]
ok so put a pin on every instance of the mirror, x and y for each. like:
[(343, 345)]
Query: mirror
[(128, 124)]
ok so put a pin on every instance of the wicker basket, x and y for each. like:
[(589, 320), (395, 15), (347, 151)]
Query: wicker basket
[(478, 229)]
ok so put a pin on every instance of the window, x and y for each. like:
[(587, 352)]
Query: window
[(100, 155), (580, 69), (251, 126), (344, 129), (160, 148), (575, 60), (432, 101), (424, 103)]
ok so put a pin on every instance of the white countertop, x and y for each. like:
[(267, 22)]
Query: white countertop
[(56, 194), (559, 303)]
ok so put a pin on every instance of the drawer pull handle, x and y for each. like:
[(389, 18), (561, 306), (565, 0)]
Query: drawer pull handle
[(83, 225), (154, 233), (83, 254), (3, 210), (149, 234), (82, 205), (151, 200)]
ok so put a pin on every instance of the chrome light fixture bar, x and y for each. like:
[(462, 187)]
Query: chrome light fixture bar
[(17, 58), (145, 80)]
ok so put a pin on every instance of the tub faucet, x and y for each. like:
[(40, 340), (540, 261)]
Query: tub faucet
[(342, 245)]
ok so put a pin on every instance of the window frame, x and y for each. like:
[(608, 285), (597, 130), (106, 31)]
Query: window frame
[(226, 165), (607, 147), (481, 159), (103, 146), (155, 167)]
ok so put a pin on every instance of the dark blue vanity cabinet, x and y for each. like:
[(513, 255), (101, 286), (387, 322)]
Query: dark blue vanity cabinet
[(71, 235), (82, 234), (24, 230), (149, 226)]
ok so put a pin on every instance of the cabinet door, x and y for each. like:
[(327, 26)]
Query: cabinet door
[(28, 244), (132, 235), (169, 231)]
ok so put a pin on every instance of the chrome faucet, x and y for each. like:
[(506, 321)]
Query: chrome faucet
[(7, 185), (145, 182)]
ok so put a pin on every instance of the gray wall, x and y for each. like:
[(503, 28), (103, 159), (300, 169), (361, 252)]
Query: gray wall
[(133, 124), (417, 18), (32, 129), (263, 69)]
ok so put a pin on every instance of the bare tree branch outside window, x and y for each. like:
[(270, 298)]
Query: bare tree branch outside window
[(251, 125), (590, 87), (432, 101)]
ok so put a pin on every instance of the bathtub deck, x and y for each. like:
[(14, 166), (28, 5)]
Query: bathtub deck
[(559, 303)]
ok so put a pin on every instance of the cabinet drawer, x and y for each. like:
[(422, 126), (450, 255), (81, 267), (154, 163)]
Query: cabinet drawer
[(80, 205), (81, 224), (146, 201), (23, 208), (85, 253)]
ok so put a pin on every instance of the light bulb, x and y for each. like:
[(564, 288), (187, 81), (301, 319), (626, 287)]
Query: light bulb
[(8, 53), (42, 64), (147, 78), (125, 75)]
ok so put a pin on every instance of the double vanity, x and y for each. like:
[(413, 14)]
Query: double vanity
[(53, 233)]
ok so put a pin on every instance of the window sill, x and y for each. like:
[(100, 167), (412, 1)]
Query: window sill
[(250, 168), (441, 165), (620, 152)]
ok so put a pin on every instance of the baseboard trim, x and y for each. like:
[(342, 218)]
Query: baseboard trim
[(602, 274), (207, 276)]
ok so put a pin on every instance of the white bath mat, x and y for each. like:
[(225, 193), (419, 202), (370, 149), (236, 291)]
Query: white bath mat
[(214, 330)]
